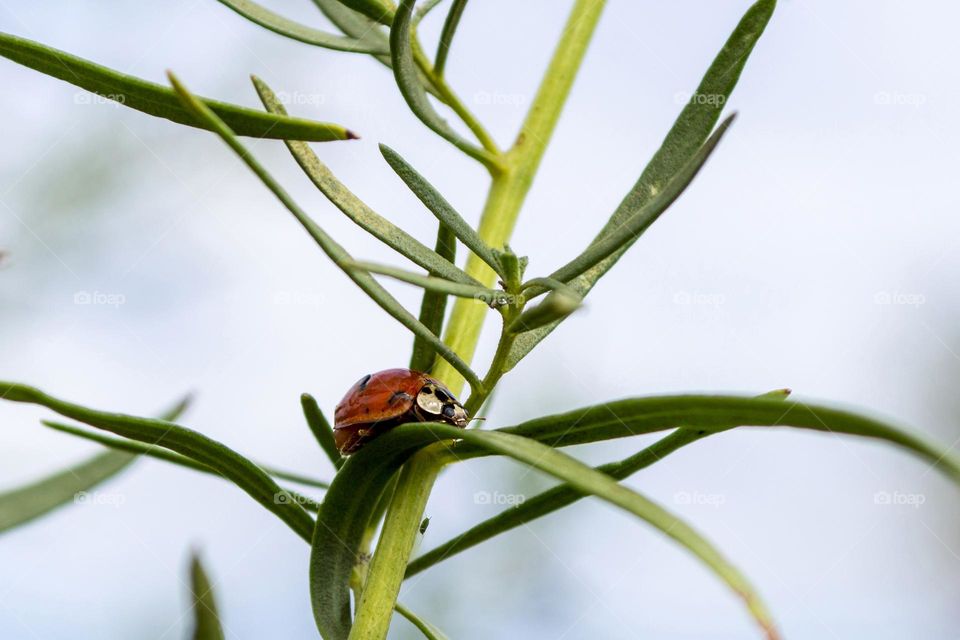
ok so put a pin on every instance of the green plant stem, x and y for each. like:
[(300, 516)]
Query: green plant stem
[(508, 190), (379, 595), (510, 187)]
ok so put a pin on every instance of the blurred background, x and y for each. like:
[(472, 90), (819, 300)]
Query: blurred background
[(816, 251)]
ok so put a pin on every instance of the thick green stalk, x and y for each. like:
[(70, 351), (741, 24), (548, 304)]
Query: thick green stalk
[(509, 188), (507, 193)]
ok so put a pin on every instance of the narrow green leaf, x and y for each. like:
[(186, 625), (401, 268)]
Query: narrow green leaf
[(626, 234), (377, 10), (431, 283), (206, 619), (443, 210), (228, 463), (278, 24), (139, 448), (158, 100), (23, 504), (342, 518), (412, 89), (688, 134), (559, 497), (434, 306), (636, 416), (333, 250), (429, 631), (355, 209), (555, 307), (321, 429), (446, 36)]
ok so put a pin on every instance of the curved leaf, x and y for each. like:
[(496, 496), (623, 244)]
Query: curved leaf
[(341, 520), (430, 283), (555, 307), (429, 631), (320, 427), (688, 134), (23, 504), (132, 446), (334, 251), (411, 87), (626, 233), (206, 618), (380, 11), (158, 100), (227, 462), (560, 496), (357, 210), (278, 24), (446, 36)]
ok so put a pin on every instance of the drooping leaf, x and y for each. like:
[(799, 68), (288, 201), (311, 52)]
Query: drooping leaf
[(635, 416), (139, 448), (321, 429), (227, 462), (158, 100), (446, 36), (340, 523), (688, 134), (438, 205), (23, 504), (206, 618), (334, 251), (411, 87), (355, 209), (433, 306), (559, 497), (278, 24), (633, 227)]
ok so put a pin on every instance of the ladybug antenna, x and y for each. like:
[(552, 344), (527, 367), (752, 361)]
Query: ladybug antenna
[(480, 418)]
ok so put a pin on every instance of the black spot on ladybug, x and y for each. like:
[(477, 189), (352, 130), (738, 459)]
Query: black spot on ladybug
[(366, 409), (399, 395), (363, 381)]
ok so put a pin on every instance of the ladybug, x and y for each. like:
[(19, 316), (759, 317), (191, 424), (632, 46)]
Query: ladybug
[(380, 401)]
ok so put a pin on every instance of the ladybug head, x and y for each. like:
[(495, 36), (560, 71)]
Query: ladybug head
[(436, 402)]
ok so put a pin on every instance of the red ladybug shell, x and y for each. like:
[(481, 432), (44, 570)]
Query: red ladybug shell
[(377, 402)]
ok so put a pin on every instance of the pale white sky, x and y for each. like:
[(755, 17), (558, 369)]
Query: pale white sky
[(833, 193)]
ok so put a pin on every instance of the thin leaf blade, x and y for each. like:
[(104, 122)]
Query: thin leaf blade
[(433, 307), (157, 100), (268, 19), (691, 129), (206, 615)]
